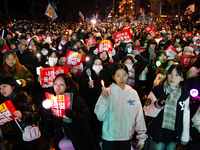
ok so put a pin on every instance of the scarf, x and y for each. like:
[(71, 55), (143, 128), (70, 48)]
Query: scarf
[(169, 116), (152, 55)]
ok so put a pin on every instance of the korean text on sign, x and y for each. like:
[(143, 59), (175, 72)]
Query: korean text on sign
[(188, 60), (171, 52), (91, 42), (49, 73), (124, 35), (61, 102), (105, 46), (74, 58), (6, 112)]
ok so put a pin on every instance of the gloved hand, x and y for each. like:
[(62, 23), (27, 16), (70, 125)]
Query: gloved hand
[(69, 113), (161, 102)]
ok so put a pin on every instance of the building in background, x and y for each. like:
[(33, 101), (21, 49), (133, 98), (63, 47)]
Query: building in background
[(129, 8)]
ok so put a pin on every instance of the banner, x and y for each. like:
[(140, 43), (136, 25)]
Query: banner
[(151, 30), (60, 103), (140, 49), (124, 35), (73, 58), (7, 110), (105, 46), (188, 34), (190, 9), (171, 52), (91, 41), (198, 43), (81, 15), (49, 73), (187, 60), (148, 28), (50, 12)]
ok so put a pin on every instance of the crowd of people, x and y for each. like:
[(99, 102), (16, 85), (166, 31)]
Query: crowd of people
[(144, 101)]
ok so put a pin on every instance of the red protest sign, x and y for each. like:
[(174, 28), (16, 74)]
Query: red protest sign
[(140, 49), (105, 46), (49, 73), (151, 30), (171, 52), (124, 35), (60, 103), (73, 58), (198, 43), (70, 31), (7, 110), (188, 34), (148, 28), (153, 33), (91, 41), (187, 60)]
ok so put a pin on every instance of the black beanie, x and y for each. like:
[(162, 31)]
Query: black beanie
[(151, 41), (160, 52)]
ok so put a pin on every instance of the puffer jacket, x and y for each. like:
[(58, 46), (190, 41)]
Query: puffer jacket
[(24, 103)]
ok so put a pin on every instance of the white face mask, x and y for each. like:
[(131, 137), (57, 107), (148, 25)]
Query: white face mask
[(44, 52), (52, 61), (129, 66), (129, 49), (178, 40), (97, 69), (197, 52), (179, 49)]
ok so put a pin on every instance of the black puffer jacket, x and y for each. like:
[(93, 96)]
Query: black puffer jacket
[(24, 103), (78, 131)]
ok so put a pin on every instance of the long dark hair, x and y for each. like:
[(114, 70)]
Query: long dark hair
[(69, 82), (12, 82), (119, 66), (181, 71), (127, 57)]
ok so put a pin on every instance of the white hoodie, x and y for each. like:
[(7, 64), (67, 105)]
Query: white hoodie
[(121, 114)]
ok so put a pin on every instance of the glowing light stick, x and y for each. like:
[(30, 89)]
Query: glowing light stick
[(47, 103), (194, 92), (19, 82), (2, 34)]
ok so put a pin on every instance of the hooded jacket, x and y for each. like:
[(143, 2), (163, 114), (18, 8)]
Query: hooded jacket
[(146, 53), (121, 114)]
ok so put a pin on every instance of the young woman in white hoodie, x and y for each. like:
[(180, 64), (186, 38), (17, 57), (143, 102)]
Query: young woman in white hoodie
[(120, 110)]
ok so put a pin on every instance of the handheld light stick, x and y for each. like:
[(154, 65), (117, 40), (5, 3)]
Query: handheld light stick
[(194, 92), (47, 103), (19, 82), (2, 34), (88, 71)]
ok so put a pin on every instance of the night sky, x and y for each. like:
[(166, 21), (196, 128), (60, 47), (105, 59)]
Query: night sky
[(19, 9)]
